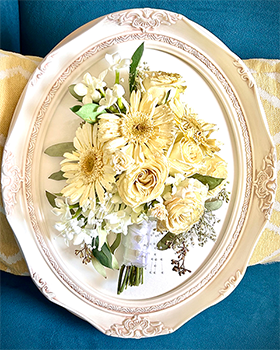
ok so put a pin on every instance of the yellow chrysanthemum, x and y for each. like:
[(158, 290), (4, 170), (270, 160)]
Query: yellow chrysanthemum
[(86, 169), (146, 128), (199, 131)]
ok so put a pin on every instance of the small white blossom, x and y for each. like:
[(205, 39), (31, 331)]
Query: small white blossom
[(85, 236), (116, 62), (119, 221), (118, 90), (107, 101), (68, 229), (89, 87), (62, 209), (111, 97)]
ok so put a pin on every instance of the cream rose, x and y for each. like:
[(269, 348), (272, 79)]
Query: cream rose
[(185, 207), (185, 157), (159, 83), (143, 182), (214, 166)]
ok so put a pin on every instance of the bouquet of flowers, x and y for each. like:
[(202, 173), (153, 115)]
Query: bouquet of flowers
[(141, 160)]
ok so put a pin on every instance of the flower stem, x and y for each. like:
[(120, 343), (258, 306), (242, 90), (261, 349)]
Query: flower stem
[(117, 79), (129, 276)]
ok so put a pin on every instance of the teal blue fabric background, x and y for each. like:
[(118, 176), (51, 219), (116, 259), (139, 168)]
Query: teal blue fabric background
[(250, 28), (9, 25), (249, 317), (247, 28)]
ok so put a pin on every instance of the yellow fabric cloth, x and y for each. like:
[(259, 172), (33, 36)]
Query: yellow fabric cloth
[(267, 76), (15, 71)]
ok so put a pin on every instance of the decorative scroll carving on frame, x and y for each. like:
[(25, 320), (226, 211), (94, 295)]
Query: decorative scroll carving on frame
[(42, 285), (231, 283), (244, 73), (42, 69), (138, 327), (11, 181), (265, 184), (145, 19)]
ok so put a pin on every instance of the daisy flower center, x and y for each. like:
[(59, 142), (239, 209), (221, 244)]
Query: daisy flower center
[(137, 127), (91, 165)]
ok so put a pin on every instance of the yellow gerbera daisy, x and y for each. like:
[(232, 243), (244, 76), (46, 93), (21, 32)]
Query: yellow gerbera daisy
[(146, 128), (86, 169)]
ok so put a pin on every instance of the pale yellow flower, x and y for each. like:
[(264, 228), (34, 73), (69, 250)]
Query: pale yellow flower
[(185, 157), (216, 167), (87, 169), (177, 106), (121, 161), (185, 207), (159, 84), (143, 182), (199, 131), (146, 128), (158, 211)]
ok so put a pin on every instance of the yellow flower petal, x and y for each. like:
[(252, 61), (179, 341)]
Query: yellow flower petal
[(86, 169)]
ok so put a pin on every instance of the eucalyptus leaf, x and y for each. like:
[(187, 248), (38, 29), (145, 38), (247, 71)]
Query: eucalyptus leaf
[(58, 176), (59, 149), (164, 243), (136, 58), (98, 267), (73, 93), (211, 181), (213, 204), (88, 112), (115, 264), (104, 256), (51, 198)]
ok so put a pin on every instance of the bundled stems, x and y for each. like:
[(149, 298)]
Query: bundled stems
[(130, 276)]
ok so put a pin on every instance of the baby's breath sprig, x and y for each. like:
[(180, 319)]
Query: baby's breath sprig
[(204, 229), (224, 194)]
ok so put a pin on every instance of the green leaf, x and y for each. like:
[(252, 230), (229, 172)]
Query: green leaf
[(51, 198), (58, 176), (115, 264), (98, 267), (213, 204), (165, 242), (73, 93), (59, 149), (87, 112), (116, 243), (212, 182), (76, 108), (104, 256), (136, 57)]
